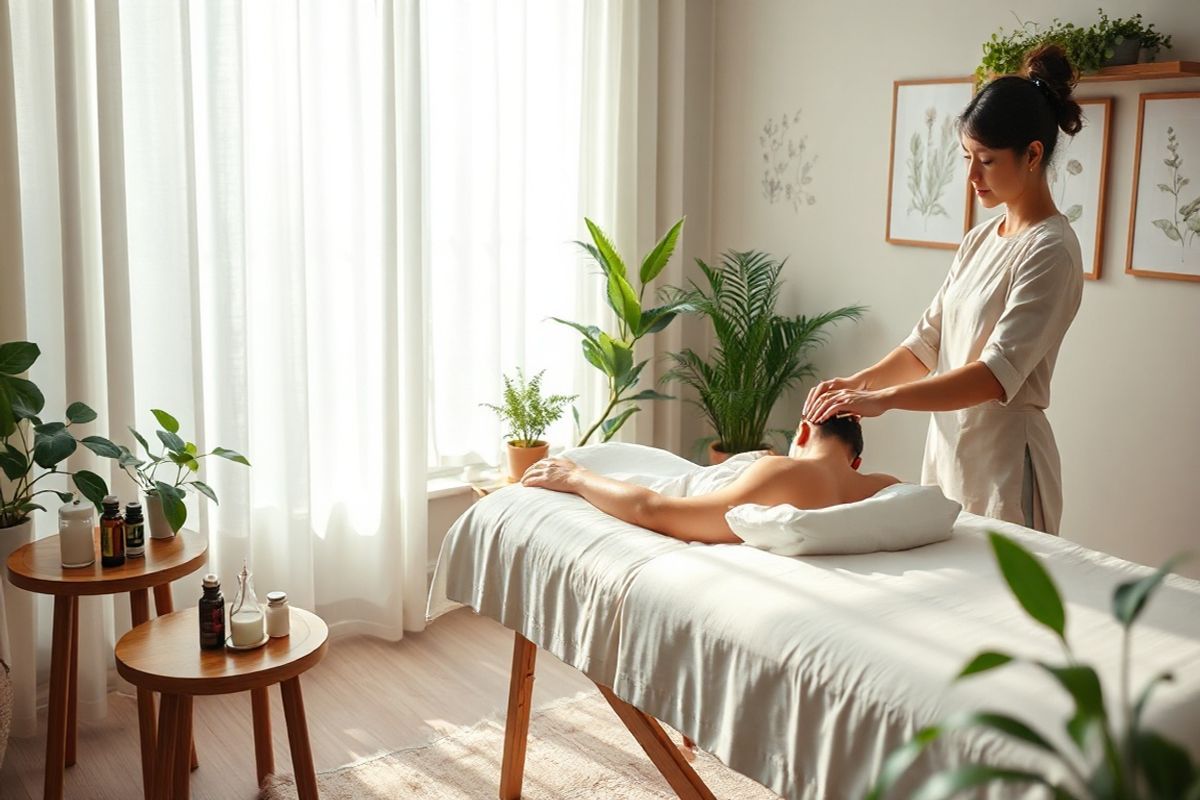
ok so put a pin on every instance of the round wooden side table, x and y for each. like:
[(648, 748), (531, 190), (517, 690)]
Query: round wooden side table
[(164, 655), (37, 567)]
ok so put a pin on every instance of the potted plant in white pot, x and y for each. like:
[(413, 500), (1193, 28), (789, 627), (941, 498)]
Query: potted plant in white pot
[(758, 355), (527, 415), (165, 510)]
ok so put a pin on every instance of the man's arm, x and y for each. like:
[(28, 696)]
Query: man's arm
[(768, 481)]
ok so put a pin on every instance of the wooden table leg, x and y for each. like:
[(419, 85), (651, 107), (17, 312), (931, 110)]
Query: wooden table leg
[(163, 781), (297, 727), (139, 612), (73, 683), (264, 752), (181, 757), (164, 603), (516, 726), (60, 668)]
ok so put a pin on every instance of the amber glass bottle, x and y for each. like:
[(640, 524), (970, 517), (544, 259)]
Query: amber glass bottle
[(112, 534), (212, 615)]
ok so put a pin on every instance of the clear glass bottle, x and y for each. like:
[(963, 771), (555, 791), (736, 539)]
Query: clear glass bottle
[(246, 623)]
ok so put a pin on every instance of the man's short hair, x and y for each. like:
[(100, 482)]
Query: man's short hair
[(846, 429)]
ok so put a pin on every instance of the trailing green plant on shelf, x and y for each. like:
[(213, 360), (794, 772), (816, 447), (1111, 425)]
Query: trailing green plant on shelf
[(525, 411), (759, 353), (184, 456), (1088, 47), (612, 354), (1106, 763), (29, 441)]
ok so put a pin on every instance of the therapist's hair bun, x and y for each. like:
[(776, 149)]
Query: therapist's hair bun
[(1049, 65)]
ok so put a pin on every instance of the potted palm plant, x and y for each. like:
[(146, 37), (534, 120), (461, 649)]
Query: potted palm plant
[(758, 355), (165, 509), (527, 415)]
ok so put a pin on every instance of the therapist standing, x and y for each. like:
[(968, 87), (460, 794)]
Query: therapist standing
[(982, 356)]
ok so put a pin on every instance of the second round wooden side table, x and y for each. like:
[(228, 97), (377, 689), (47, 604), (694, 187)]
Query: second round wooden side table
[(164, 655), (37, 567)]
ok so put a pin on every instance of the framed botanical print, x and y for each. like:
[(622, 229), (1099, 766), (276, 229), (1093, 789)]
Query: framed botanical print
[(1078, 179), (927, 182), (1164, 215)]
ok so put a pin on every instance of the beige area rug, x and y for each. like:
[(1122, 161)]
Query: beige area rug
[(578, 749)]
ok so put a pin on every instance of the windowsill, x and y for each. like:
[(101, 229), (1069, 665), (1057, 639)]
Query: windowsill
[(436, 488)]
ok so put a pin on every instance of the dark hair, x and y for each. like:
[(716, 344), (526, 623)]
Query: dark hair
[(847, 429), (1013, 111)]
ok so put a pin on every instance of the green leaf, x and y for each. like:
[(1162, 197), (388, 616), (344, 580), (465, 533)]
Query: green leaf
[(80, 413), (142, 441), (654, 320), (1144, 698), (588, 331), (595, 356), (622, 361), (624, 301), (578, 425), (1130, 598), (185, 460), (190, 448), (166, 420), (900, 759), (1083, 684), (101, 446), (646, 394), (16, 357), (608, 253), (232, 455), (128, 459), (25, 508), (91, 486), (13, 462), (656, 260), (26, 398), (613, 424), (1167, 227), (52, 444), (66, 497), (172, 501), (1007, 725), (1030, 583), (948, 783), (8, 422), (987, 660), (205, 490), (1167, 767), (171, 440)]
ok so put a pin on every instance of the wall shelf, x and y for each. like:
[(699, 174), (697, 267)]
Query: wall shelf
[(1144, 72)]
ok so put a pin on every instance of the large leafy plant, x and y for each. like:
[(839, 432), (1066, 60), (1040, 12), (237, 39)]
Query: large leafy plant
[(612, 354), (1132, 763), (29, 441), (178, 453), (759, 353), (525, 411), (1088, 47)]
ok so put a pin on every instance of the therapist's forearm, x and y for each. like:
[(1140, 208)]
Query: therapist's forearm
[(897, 367), (966, 386)]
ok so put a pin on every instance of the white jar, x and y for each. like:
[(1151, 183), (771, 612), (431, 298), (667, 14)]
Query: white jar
[(76, 540), (279, 616)]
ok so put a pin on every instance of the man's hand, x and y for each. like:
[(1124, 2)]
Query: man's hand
[(556, 474)]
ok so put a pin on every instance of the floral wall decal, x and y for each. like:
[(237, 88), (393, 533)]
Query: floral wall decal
[(787, 164)]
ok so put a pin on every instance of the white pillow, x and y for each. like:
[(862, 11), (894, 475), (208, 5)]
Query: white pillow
[(899, 517)]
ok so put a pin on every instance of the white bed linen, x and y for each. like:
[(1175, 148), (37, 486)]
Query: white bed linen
[(803, 673)]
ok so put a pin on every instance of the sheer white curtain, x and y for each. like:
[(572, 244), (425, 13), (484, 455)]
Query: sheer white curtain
[(220, 215)]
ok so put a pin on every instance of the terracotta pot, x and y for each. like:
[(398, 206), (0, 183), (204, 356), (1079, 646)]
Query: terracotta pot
[(522, 458), (717, 456), (159, 527)]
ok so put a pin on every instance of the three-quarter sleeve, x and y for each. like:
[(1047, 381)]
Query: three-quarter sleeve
[(1042, 300), (925, 341)]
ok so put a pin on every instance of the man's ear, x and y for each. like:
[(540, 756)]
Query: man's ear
[(803, 434), (856, 463)]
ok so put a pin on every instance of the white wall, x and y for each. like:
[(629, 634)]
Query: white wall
[(1126, 395)]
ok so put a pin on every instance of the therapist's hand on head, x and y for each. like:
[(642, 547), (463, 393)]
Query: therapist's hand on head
[(846, 403), (824, 387)]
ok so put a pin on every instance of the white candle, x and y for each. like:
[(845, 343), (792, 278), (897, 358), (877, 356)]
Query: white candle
[(77, 547), (247, 627)]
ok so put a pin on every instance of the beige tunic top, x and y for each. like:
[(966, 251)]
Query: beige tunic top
[(1008, 303)]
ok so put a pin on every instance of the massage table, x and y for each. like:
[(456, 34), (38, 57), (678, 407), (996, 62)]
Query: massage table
[(801, 673)]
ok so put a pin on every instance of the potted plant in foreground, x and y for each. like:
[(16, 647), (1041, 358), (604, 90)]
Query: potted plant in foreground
[(165, 510), (527, 415), (758, 354)]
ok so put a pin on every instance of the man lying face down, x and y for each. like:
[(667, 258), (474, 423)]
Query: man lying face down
[(821, 471)]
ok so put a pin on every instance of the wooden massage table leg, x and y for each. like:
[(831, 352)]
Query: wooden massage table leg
[(516, 728)]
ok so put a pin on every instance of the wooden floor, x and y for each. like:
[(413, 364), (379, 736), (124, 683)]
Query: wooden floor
[(365, 698)]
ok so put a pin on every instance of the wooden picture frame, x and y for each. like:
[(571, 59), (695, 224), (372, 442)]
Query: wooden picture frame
[(1093, 141), (1158, 234), (934, 167)]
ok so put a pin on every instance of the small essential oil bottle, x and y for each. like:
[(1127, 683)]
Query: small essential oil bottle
[(135, 531), (212, 614), (112, 533)]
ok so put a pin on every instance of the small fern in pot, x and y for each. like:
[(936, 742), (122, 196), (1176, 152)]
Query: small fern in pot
[(527, 415)]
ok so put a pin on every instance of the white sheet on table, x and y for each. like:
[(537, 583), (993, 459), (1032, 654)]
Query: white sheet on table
[(803, 673)]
